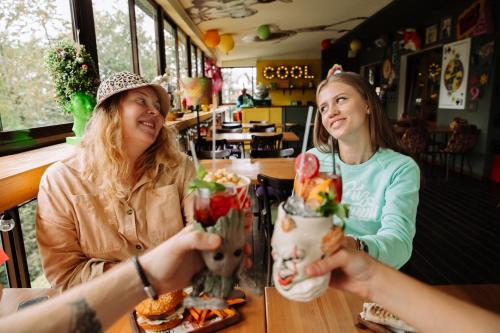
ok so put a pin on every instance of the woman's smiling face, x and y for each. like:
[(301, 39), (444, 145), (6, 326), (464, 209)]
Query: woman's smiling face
[(343, 111), (141, 117)]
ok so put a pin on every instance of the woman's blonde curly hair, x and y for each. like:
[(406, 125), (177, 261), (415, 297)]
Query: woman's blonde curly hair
[(102, 150)]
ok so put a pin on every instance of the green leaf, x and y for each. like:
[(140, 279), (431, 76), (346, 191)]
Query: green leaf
[(201, 172)]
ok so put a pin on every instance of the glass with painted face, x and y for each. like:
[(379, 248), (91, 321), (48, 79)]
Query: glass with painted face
[(141, 117), (343, 111), (297, 242)]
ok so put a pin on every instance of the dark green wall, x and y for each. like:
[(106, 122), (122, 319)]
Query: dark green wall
[(421, 14)]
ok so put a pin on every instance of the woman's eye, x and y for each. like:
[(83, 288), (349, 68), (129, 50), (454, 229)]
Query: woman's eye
[(323, 109), (340, 99), (140, 100)]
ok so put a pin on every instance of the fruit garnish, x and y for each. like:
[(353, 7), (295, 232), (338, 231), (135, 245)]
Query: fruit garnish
[(329, 206), (321, 187), (199, 182), (309, 168)]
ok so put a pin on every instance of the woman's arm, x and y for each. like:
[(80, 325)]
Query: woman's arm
[(94, 306), (393, 242), (422, 306)]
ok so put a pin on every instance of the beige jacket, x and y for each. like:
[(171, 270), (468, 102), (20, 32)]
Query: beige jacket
[(79, 228)]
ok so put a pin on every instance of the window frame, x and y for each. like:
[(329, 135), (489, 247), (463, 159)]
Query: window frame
[(82, 19)]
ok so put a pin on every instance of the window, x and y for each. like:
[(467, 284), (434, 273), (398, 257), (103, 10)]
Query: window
[(235, 79), (145, 25), (199, 63), (27, 29), (183, 56), (112, 29), (4, 279), (194, 70)]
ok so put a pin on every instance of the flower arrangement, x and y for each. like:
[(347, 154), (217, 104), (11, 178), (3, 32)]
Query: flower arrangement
[(72, 70)]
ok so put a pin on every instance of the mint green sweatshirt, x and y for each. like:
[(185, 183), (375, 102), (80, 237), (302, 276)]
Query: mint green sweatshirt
[(383, 197)]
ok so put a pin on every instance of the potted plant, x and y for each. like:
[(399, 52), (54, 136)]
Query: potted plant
[(75, 80)]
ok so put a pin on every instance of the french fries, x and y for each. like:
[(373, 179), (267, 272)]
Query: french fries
[(200, 317)]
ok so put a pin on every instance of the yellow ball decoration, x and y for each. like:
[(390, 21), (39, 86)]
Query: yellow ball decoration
[(226, 43), (212, 38), (355, 45)]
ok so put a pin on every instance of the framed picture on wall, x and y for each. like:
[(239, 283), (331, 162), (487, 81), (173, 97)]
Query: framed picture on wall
[(431, 34), (454, 75), (445, 28)]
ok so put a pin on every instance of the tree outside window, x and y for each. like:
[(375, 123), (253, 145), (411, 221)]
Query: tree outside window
[(145, 23), (183, 56), (27, 30)]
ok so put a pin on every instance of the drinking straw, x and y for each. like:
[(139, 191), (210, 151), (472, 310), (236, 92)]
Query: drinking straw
[(333, 159), (213, 138), (306, 137), (193, 153), (304, 143)]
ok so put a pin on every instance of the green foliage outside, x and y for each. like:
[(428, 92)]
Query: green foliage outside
[(27, 28)]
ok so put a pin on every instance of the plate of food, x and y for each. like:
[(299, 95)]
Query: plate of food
[(168, 315)]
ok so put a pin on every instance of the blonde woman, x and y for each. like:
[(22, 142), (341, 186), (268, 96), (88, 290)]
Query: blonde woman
[(124, 190)]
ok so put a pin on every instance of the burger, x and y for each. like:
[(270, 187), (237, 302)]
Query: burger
[(162, 314)]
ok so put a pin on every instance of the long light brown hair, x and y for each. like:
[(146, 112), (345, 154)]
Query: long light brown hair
[(103, 152), (382, 134)]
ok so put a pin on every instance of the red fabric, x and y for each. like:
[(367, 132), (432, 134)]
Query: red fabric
[(495, 170), (3, 256), (237, 116)]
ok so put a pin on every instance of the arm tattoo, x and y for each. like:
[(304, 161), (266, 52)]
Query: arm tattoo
[(84, 318)]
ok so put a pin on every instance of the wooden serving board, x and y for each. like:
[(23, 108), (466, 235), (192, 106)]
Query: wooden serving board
[(210, 326)]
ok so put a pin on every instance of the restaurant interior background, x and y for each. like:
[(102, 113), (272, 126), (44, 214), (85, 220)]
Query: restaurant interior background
[(397, 45)]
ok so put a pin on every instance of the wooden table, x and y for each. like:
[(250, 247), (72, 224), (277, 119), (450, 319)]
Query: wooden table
[(247, 137), (335, 311), (12, 297), (282, 168), (253, 315)]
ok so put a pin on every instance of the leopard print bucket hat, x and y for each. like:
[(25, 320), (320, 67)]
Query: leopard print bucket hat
[(123, 81)]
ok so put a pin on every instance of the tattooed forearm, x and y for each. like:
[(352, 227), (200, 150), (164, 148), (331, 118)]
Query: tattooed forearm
[(84, 318)]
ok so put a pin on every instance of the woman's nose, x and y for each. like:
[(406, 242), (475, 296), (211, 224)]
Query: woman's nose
[(153, 110)]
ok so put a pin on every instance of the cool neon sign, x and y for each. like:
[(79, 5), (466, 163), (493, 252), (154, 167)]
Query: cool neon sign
[(283, 72)]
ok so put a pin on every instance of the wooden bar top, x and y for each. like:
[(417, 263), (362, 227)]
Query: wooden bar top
[(282, 168), (189, 120), (336, 311)]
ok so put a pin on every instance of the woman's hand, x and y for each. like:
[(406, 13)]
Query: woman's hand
[(350, 270), (172, 264)]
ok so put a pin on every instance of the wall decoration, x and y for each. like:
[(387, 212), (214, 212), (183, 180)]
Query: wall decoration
[(283, 72), (211, 38), (226, 43), (445, 28), (474, 21), (263, 32), (455, 70), (411, 40), (276, 34), (431, 34)]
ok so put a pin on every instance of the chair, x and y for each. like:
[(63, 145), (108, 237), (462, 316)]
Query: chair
[(268, 142), (232, 125), (461, 142), (203, 144), (219, 154), (268, 128), (416, 139), (271, 191), (230, 130), (288, 152), (237, 147)]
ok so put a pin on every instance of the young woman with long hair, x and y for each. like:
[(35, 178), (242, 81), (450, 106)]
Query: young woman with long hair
[(380, 184)]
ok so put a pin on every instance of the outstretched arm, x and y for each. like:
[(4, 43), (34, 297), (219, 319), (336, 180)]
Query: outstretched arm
[(411, 300), (96, 305)]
